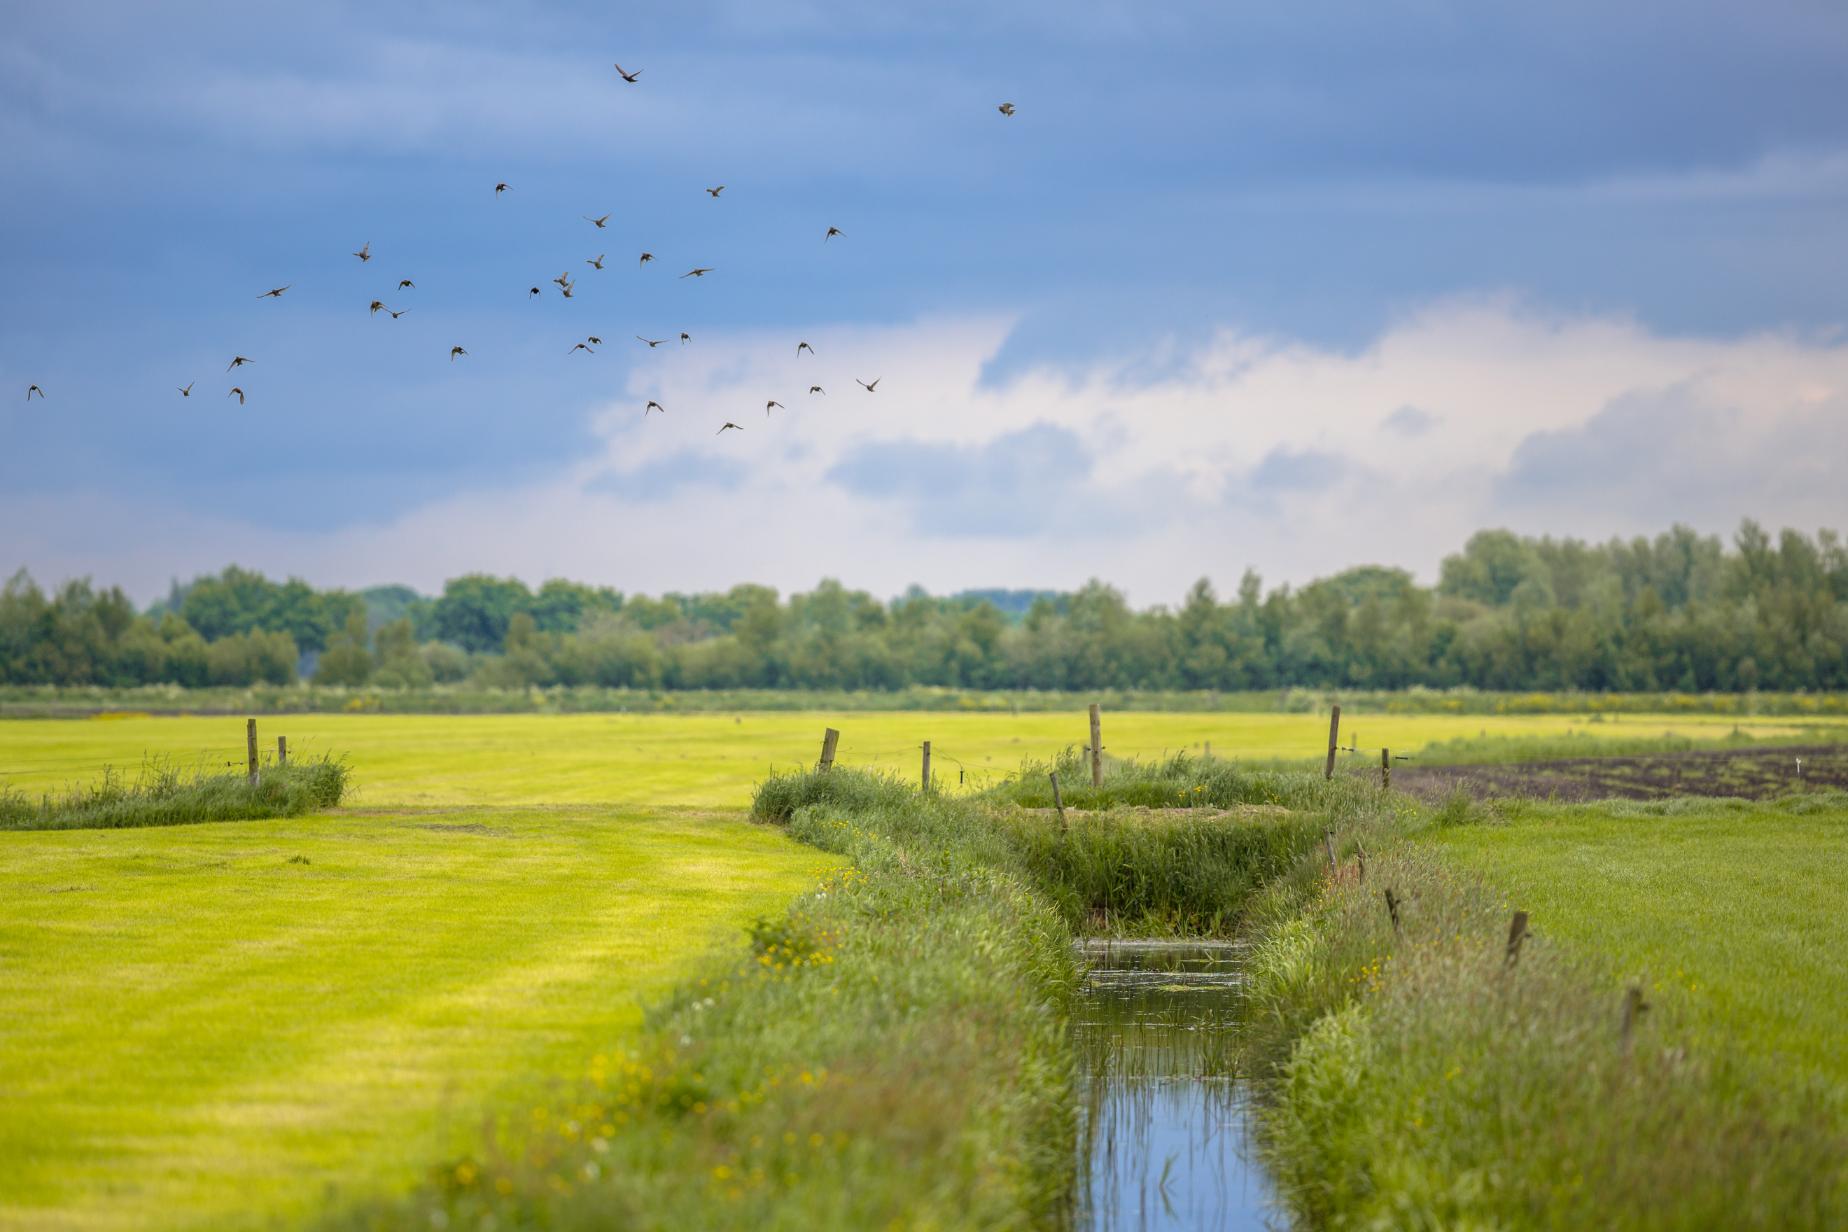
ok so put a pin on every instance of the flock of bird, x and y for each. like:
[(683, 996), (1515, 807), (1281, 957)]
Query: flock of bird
[(567, 286)]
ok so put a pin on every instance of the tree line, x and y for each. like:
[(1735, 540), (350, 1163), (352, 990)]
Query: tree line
[(1680, 611)]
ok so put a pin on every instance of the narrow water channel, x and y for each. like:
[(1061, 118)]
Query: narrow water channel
[(1163, 1143)]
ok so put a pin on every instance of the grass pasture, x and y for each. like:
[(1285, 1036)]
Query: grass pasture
[(214, 1026), (713, 760)]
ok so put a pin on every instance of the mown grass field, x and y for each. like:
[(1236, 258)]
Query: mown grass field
[(197, 1030), (1729, 914), (713, 760)]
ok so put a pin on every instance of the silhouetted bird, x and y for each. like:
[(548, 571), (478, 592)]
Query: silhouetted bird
[(593, 340), (832, 232), (803, 346), (714, 192), (646, 258), (186, 389), (595, 262), (873, 388), (396, 313), (500, 188), (1006, 109), (238, 361), (698, 271), (598, 223), (816, 389), (372, 309), (580, 347), (34, 389), (455, 351), (365, 251), (685, 337), (276, 293), (564, 279), (405, 284), (653, 406), (568, 288), (729, 427), (652, 342), (532, 292), (239, 391), (628, 77), (771, 403)]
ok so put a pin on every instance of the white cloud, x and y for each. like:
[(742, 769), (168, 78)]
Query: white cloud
[(1251, 451)]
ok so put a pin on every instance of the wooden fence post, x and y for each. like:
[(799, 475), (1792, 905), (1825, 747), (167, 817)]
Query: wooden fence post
[(1385, 769), (1334, 740), (927, 765), (1633, 1007), (282, 750), (1208, 750), (1057, 801), (1517, 933), (1097, 747), (250, 747), (1392, 908), (1334, 866), (829, 740)]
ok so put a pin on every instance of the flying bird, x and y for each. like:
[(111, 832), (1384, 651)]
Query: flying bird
[(237, 361), (832, 232), (776, 404), (816, 389), (1006, 109), (580, 347), (595, 262), (593, 340), (729, 426), (532, 292), (653, 406), (239, 391), (566, 292), (685, 337), (365, 251), (698, 271), (873, 388), (455, 351), (714, 192), (652, 342), (406, 284), (396, 313), (186, 389), (628, 77), (564, 279), (34, 389), (646, 258), (500, 188), (803, 346), (275, 293), (373, 308), (598, 223)]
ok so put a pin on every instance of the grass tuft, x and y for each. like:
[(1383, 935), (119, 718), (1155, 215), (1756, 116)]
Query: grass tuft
[(164, 795)]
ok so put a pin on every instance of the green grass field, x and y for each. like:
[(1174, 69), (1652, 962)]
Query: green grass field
[(713, 760), (1730, 914), (196, 1030)]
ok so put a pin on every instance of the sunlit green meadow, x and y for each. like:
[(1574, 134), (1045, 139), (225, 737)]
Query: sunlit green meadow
[(713, 760), (218, 1025)]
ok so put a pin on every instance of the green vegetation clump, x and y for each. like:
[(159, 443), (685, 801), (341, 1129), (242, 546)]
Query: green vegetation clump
[(164, 795)]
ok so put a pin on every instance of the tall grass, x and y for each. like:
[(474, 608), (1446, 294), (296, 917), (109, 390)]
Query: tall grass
[(164, 795)]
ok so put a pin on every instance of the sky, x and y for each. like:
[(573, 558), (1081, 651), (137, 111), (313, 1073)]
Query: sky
[(1283, 287)]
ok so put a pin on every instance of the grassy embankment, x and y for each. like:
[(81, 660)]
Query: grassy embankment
[(230, 1025), (162, 795)]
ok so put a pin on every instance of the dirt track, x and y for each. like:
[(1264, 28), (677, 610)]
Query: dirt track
[(1753, 773)]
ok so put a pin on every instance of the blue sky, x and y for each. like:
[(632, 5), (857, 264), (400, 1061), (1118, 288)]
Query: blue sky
[(1180, 294)]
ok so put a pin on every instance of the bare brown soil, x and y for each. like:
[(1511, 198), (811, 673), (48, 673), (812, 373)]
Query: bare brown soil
[(1750, 773)]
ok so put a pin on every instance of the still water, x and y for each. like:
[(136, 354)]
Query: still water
[(1163, 1143)]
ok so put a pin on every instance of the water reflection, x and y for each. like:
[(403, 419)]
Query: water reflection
[(1163, 1142)]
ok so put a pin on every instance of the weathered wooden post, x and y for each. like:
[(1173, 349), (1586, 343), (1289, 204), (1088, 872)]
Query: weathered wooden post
[(282, 750), (1334, 865), (1058, 802), (1517, 933), (1385, 769), (829, 740), (1334, 740), (1097, 747), (1633, 1007), (1392, 908), (250, 747), (927, 765)]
